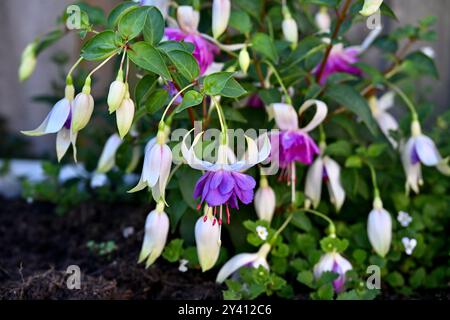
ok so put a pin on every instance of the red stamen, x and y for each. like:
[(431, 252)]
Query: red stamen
[(220, 221), (214, 221), (228, 214), (199, 206), (205, 218)]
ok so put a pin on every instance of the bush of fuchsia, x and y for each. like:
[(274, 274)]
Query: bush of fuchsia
[(286, 70)]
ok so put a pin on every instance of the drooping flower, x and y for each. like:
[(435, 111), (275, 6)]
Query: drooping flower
[(221, 10), (188, 20), (333, 262), (253, 260), (82, 107), (156, 230), (289, 27), (156, 168), (207, 239), (370, 7), (420, 149), (59, 121), (108, 156), (385, 121), (293, 144), (409, 244), (404, 218), (343, 59), (223, 184), (265, 201), (324, 169), (379, 228), (28, 62)]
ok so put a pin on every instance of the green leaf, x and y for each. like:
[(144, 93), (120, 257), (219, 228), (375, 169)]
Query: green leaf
[(376, 149), (395, 279), (341, 148), (232, 89), (173, 250), (118, 11), (264, 45), (306, 277), (326, 292), (156, 101), (190, 99), (147, 57), (168, 46), (154, 26), (132, 22), (185, 64), (353, 161), (213, 84), (240, 21), (100, 47), (351, 99), (328, 3), (419, 64), (330, 244), (143, 88)]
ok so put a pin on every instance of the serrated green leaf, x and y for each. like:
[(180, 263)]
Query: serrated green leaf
[(100, 47), (148, 58), (190, 99)]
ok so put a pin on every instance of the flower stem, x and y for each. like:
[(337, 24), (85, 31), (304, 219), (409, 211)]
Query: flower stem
[(220, 114), (405, 98), (69, 74), (101, 65), (321, 215), (175, 98), (280, 81), (376, 191)]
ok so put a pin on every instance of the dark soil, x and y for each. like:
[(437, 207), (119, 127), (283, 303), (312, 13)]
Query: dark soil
[(37, 246)]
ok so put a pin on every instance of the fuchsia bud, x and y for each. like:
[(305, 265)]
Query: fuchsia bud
[(82, 107), (370, 7), (379, 228), (207, 239), (265, 201), (117, 92), (28, 62), (220, 15), (289, 27), (125, 114)]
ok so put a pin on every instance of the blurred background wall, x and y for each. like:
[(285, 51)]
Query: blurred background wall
[(22, 20)]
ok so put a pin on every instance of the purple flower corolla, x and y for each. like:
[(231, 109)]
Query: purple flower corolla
[(420, 149), (59, 121), (343, 59), (188, 19), (333, 262), (292, 143), (223, 184)]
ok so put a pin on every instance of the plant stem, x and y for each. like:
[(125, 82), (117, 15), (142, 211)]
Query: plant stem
[(101, 64), (220, 114), (280, 81), (341, 18), (376, 191), (175, 98), (69, 74), (405, 98)]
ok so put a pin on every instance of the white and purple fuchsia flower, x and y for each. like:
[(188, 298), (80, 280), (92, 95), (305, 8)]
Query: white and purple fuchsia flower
[(420, 149), (188, 20), (157, 164), (343, 59), (324, 169), (223, 183), (385, 120), (333, 262), (293, 144)]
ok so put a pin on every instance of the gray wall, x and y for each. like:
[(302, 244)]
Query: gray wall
[(22, 20)]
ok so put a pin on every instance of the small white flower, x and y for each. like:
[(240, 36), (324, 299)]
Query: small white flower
[(183, 265), (409, 245), (429, 52), (404, 218), (262, 232), (127, 232)]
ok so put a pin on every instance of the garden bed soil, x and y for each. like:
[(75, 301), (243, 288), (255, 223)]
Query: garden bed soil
[(37, 246)]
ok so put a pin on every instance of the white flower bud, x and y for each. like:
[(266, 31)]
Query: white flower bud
[(379, 230), (265, 201), (117, 92), (125, 115), (82, 108), (244, 60), (156, 231), (220, 15), (370, 7), (207, 239), (28, 62), (323, 20), (290, 30)]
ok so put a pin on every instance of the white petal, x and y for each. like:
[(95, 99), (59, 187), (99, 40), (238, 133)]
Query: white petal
[(319, 116), (314, 178), (379, 231), (153, 165), (325, 264), (190, 156), (285, 116), (220, 15), (427, 151), (62, 142), (166, 163), (386, 101), (213, 68), (108, 156), (188, 19), (335, 189), (370, 7), (234, 264), (343, 263), (54, 121), (387, 123), (412, 171), (253, 156)]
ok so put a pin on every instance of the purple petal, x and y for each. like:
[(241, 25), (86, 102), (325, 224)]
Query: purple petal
[(227, 183), (244, 181), (216, 179)]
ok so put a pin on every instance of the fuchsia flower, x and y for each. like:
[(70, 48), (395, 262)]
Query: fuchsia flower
[(293, 144), (333, 262), (343, 59), (223, 184), (188, 20)]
